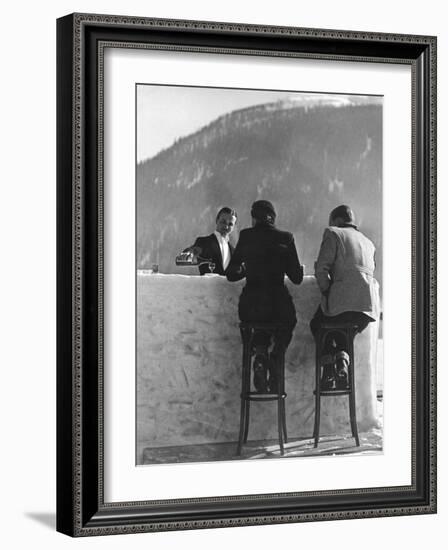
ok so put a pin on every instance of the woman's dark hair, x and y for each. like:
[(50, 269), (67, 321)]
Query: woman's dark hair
[(263, 212)]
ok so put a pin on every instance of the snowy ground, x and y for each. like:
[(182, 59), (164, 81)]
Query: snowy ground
[(370, 443)]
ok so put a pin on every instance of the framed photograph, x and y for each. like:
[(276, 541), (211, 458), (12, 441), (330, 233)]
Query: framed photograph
[(246, 274)]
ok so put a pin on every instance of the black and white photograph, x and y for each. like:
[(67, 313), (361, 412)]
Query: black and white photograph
[(259, 257), (179, 179)]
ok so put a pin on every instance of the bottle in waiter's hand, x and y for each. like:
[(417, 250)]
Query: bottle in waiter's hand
[(189, 256), (186, 258)]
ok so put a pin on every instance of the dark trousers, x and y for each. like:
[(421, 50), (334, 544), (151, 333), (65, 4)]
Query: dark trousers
[(269, 305), (335, 340)]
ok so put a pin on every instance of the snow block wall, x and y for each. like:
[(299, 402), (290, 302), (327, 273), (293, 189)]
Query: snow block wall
[(189, 366)]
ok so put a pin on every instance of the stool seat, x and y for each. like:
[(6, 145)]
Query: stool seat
[(349, 330), (334, 325), (248, 330), (262, 325)]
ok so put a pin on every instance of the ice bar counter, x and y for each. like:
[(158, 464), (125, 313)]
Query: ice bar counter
[(189, 355)]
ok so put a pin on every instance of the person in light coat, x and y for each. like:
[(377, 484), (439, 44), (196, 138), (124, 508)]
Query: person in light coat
[(344, 271)]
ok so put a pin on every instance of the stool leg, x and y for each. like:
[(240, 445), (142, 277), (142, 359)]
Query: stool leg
[(247, 387), (281, 390), (242, 424), (317, 391), (352, 399), (284, 420), (353, 423), (244, 413), (280, 425), (246, 421), (317, 419)]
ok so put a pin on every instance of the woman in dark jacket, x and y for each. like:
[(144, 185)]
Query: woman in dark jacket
[(264, 255)]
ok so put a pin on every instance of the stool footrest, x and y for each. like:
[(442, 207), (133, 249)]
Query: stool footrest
[(256, 396), (333, 392)]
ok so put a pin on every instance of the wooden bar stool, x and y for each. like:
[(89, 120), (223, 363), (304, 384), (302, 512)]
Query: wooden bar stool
[(349, 332), (248, 331)]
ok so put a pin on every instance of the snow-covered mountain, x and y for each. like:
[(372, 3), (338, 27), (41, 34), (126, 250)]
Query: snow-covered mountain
[(306, 155)]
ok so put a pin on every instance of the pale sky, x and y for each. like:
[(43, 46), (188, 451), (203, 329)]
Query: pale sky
[(166, 113)]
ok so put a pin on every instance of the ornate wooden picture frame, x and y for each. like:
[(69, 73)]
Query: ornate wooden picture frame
[(81, 506)]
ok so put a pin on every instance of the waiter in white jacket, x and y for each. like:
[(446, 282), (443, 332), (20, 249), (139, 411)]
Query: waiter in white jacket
[(345, 274)]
